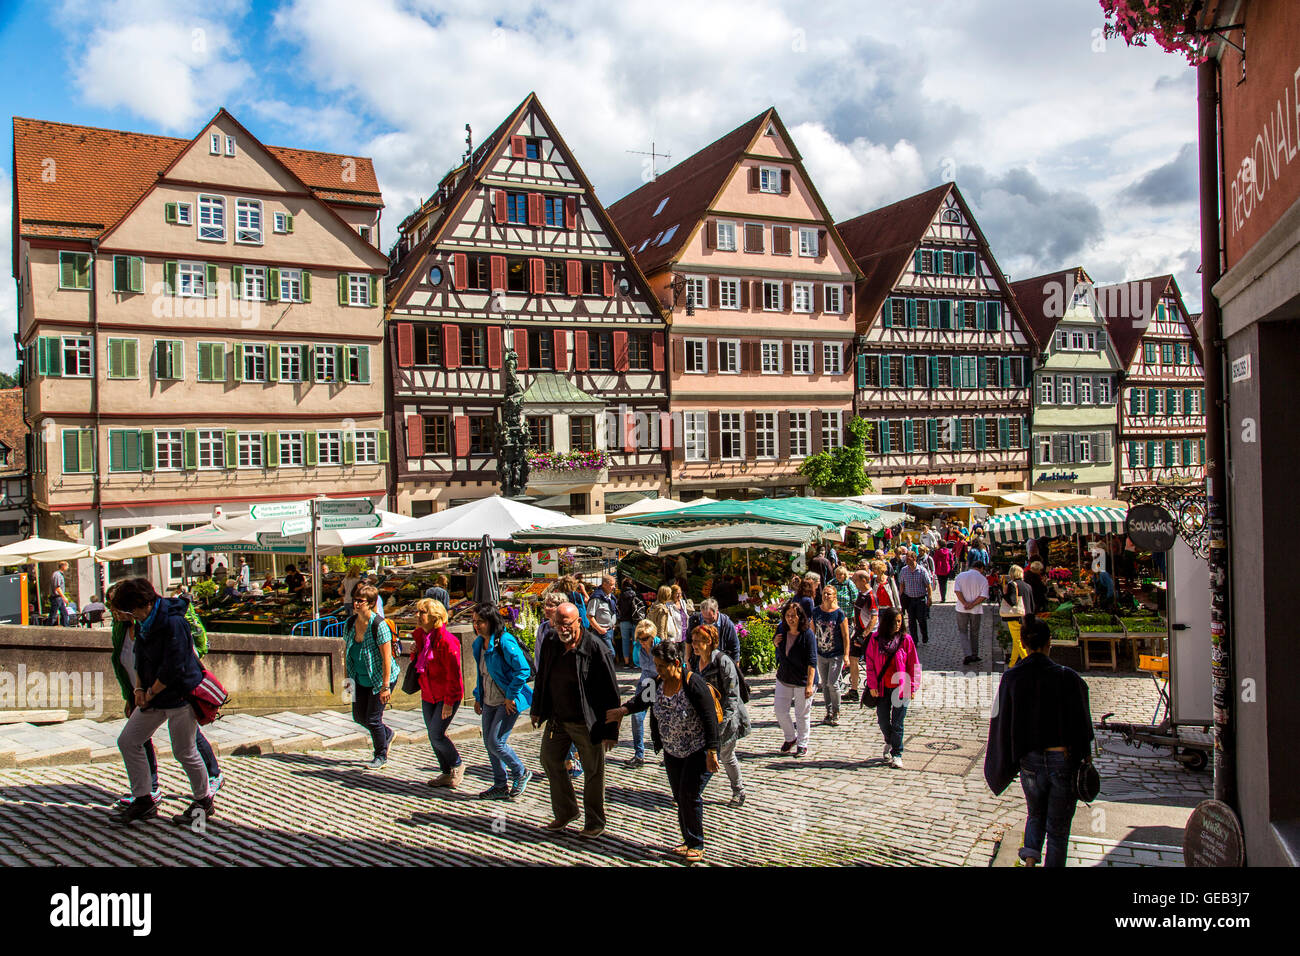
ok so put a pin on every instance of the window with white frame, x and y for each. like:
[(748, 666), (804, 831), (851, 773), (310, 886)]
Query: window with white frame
[(367, 448), (329, 448), (1085, 391), (1046, 389), (248, 221), (212, 448), (727, 236), (76, 357), (801, 358), (184, 215), (765, 434), (730, 436), (1157, 401), (191, 280), (729, 293), (290, 285), (801, 292), (771, 358), (1103, 390), (695, 435), (326, 364), (769, 179), (290, 363), (358, 289), (771, 296), (1062, 340), (1085, 450), (214, 144), (1137, 454), (697, 291), (255, 283), (832, 358), (1076, 341), (1092, 341), (1194, 402), (291, 450), (254, 363), (280, 221), (230, 146), (250, 450), (1157, 454), (832, 303), (799, 431), (1067, 391), (696, 356), (169, 449), (807, 242), (212, 218), (832, 430), (729, 356), (1175, 401), (1044, 449), (1137, 399)]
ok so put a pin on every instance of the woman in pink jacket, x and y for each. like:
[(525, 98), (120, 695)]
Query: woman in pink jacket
[(442, 686), (893, 677)]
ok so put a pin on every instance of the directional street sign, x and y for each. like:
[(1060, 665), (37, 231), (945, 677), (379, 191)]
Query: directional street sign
[(294, 526), (280, 509), (347, 506), (344, 521)]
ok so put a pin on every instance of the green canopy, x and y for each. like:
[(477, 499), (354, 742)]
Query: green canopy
[(1055, 521), (776, 537), (622, 537), (761, 511)]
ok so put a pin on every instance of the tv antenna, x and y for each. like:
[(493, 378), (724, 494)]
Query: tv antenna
[(653, 154)]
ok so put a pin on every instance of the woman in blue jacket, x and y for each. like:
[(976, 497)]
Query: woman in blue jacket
[(500, 696)]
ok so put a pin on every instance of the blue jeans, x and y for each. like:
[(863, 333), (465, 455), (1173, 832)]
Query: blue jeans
[(368, 711), (1048, 781), (497, 724), (638, 724), (626, 628), (437, 725), (890, 719)]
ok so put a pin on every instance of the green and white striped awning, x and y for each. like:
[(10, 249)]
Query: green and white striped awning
[(620, 537), (1050, 522), (760, 537)]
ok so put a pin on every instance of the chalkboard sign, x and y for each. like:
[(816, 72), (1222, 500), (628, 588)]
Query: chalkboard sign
[(1151, 528), (1213, 836)]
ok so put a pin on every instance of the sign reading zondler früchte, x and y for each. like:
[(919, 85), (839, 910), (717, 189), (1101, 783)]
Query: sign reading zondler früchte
[(1213, 836), (430, 546), (1151, 528)]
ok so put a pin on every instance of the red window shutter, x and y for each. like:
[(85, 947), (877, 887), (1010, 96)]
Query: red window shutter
[(517, 147), (629, 429), (561, 351), (817, 297), (537, 268), (714, 293), (785, 182), (665, 431), (451, 346), (574, 269), (711, 234), (580, 356), (521, 347), (570, 212), (460, 270), (460, 425), (744, 293), (414, 436), (821, 242), (405, 345), (786, 290), (608, 271), (499, 204), (620, 351), (657, 351), (535, 209), (848, 299), (787, 361), (494, 346), (679, 356), (753, 179), (498, 272)]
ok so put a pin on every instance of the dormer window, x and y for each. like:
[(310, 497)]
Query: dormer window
[(365, 233)]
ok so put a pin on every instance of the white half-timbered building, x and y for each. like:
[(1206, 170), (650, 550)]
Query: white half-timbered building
[(944, 358), (515, 246), (1162, 404)]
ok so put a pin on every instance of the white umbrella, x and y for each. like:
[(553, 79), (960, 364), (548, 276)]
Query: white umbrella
[(136, 546), (460, 528), (36, 549)]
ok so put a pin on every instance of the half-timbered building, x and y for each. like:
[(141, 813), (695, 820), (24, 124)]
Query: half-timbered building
[(1162, 401), (945, 359), (1074, 423), (740, 248), (514, 247)]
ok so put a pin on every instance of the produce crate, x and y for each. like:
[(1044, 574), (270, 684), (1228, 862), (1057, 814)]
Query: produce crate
[(1097, 624)]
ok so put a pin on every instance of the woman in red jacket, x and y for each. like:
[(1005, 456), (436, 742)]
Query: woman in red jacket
[(893, 677), (442, 686)]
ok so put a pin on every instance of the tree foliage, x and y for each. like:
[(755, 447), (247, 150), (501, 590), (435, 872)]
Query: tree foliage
[(843, 470)]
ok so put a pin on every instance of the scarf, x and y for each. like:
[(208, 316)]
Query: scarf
[(889, 649)]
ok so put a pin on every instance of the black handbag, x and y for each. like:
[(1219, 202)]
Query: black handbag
[(411, 680), (1087, 782)]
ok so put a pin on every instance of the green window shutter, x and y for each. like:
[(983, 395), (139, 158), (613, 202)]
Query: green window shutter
[(1169, 452), (191, 449), (1006, 372), (1004, 433), (884, 371), (1024, 431), (131, 450), (1132, 452), (933, 378), (374, 292), (1201, 442), (205, 362), (131, 358), (363, 364), (121, 274), (306, 284), (288, 223), (884, 437), (382, 443), (1187, 451), (1151, 453), (169, 212), (136, 270), (146, 450), (67, 271), (272, 285), (956, 433), (273, 363), (236, 282), (310, 452), (887, 315), (909, 437), (340, 368), (981, 373), (170, 268), (932, 427), (349, 448), (343, 288), (909, 372), (43, 356), (211, 284), (70, 452), (86, 450), (862, 371), (911, 313), (232, 449), (219, 362), (237, 373), (83, 271), (956, 371), (1187, 401), (49, 356), (272, 449), (980, 435), (916, 261), (115, 358)]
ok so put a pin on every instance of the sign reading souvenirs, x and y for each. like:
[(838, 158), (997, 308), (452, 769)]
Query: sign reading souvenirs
[(1213, 836), (1151, 528), (919, 482)]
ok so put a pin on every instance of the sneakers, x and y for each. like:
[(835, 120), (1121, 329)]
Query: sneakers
[(785, 747), (889, 753), (737, 800), (521, 784), (896, 761), (140, 808), (495, 793), (801, 752), (198, 809), (215, 782), (636, 763), (457, 775), (377, 763), (832, 720), (124, 802), (851, 697)]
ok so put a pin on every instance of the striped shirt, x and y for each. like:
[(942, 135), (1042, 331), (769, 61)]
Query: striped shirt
[(915, 582)]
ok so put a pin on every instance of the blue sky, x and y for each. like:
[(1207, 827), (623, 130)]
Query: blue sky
[(1071, 150)]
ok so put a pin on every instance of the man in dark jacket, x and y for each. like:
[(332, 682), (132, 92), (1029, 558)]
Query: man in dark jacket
[(822, 565), (1041, 729), (575, 688), (165, 672), (728, 641)]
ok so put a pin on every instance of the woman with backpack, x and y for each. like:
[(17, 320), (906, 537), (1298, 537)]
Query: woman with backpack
[(831, 627), (372, 666), (646, 639), (500, 696), (944, 565), (893, 678), (665, 617), (631, 609), (684, 725), (720, 671), (885, 588), (1016, 605), (796, 668), (436, 658)]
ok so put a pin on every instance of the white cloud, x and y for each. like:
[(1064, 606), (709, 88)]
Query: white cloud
[(861, 175)]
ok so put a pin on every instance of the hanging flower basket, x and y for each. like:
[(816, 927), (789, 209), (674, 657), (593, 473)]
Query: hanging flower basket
[(1169, 22)]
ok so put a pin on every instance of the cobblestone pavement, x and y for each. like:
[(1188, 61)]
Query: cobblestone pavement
[(837, 805)]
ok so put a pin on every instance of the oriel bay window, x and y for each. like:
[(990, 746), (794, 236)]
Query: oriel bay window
[(582, 433)]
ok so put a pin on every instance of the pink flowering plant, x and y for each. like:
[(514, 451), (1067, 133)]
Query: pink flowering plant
[(1059, 574), (568, 461), (1171, 23)]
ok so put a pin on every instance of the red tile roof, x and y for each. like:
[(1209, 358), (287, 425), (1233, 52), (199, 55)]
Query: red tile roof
[(1032, 295), (1128, 307), (690, 188), (77, 181), (13, 430)]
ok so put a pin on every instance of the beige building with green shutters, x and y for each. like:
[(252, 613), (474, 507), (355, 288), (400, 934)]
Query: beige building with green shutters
[(201, 328)]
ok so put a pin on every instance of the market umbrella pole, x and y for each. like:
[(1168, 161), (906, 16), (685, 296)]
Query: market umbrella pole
[(315, 575), (486, 590), (749, 577)]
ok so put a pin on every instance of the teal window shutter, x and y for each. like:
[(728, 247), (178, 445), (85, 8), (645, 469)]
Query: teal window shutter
[(993, 316), (979, 316), (909, 373), (909, 437), (862, 371), (916, 261), (933, 429), (933, 378), (981, 372), (956, 433), (1187, 451), (363, 364), (956, 371), (884, 436), (1201, 442), (1169, 452), (1004, 433), (1006, 371), (911, 313), (979, 434), (1151, 453), (146, 450), (887, 315), (70, 452), (884, 371)]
